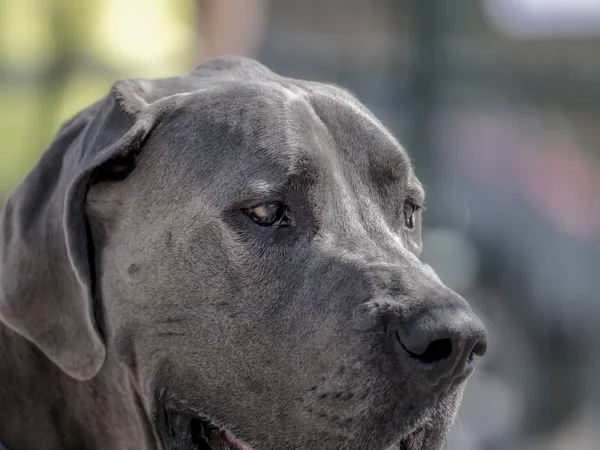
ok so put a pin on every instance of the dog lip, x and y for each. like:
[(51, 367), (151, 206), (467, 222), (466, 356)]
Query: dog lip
[(412, 441), (202, 429), (236, 442), (228, 436)]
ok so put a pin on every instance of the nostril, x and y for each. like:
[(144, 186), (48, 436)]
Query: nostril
[(436, 351), (480, 348)]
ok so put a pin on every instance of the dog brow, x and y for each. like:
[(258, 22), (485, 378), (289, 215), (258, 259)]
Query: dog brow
[(262, 189), (416, 193)]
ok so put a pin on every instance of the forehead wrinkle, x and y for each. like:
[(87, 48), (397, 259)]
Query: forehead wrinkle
[(306, 134), (251, 105), (290, 106), (346, 101), (385, 159), (355, 213), (347, 196), (332, 194), (397, 181), (363, 203), (295, 145), (390, 175)]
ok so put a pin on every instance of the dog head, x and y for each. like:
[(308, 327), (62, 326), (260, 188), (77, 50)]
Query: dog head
[(247, 245)]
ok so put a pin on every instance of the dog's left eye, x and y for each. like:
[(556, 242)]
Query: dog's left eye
[(410, 210), (269, 214)]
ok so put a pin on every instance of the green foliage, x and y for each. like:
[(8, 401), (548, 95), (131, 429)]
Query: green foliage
[(58, 56)]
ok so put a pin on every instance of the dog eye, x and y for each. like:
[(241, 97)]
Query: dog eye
[(410, 210), (269, 214)]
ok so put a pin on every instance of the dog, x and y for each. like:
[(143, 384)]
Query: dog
[(227, 259)]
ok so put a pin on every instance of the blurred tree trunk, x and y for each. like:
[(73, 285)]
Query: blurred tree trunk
[(55, 78), (230, 27)]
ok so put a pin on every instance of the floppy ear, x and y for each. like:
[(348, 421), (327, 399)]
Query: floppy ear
[(46, 270)]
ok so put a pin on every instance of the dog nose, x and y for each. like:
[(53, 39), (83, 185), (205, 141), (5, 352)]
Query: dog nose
[(442, 342)]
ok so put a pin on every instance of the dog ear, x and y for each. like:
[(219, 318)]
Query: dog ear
[(46, 270)]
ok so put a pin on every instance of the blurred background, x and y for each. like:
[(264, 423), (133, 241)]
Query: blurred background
[(498, 102)]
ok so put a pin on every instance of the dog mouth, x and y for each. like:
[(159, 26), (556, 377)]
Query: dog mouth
[(181, 430), (193, 433), (208, 436)]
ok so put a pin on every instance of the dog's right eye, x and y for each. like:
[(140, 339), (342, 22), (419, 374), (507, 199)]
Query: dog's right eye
[(269, 215), (410, 210)]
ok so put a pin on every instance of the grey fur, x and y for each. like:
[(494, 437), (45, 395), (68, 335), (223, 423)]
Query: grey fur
[(129, 274)]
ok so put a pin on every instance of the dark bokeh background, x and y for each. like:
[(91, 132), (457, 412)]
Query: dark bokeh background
[(498, 102)]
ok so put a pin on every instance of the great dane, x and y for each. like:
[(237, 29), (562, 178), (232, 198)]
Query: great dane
[(227, 259)]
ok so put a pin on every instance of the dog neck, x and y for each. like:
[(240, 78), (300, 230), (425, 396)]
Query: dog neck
[(41, 404)]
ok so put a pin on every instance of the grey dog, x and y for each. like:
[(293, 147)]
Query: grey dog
[(225, 260)]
